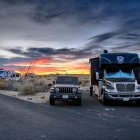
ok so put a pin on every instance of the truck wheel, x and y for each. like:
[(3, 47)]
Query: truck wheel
[(103, 98), (91, 91), (52, 101), (79, 102), (105, 101)]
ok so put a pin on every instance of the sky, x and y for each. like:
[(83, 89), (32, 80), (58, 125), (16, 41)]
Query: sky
[(60, 36)]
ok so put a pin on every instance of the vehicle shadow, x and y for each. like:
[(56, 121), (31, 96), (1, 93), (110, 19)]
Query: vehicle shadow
[(124, 104)]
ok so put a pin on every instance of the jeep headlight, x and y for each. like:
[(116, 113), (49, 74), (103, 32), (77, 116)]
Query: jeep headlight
[(57, 89), (51, 89), (74, 89)]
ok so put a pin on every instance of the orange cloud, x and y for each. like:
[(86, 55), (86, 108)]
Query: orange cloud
[(43, 66), (33, 62)]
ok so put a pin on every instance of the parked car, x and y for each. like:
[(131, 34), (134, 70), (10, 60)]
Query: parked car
[(66, 88), (9, 75)]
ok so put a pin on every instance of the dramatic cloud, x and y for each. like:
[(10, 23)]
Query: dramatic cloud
[(49, 52), (72, 30), (103, 37)]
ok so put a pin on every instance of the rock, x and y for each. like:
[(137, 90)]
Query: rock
[(29, 98), (43, 97)]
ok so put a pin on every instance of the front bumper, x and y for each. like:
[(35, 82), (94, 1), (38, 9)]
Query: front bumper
[(65, 97), (123, 96)]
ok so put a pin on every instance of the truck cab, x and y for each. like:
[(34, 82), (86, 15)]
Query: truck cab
[(115, 76), (66, 88)]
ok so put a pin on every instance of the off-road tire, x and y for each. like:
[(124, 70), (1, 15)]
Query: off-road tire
[(79, 102), (52, 101)]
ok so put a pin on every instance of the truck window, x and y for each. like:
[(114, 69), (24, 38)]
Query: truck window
[(119, 73)]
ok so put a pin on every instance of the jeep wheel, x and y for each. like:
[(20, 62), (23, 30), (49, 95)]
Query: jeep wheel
[(79, 102), (52, 101)]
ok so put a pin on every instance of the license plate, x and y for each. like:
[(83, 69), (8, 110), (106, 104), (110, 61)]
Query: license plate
[(65, 96), (125, 99)]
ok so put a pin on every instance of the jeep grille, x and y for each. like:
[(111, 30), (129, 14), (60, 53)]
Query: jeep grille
[(64, 90), (125, 87)]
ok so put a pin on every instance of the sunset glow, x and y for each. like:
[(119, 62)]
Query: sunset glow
[(43, 66)]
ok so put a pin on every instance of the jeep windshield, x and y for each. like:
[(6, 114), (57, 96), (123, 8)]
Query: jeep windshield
[(67, 80), (120, 75)]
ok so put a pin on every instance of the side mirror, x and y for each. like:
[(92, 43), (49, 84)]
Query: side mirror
[(97, 75)]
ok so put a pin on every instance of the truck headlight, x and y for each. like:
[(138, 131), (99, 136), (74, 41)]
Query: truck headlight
[(138, 87), (57, 89), (74, 89), (109, 87)]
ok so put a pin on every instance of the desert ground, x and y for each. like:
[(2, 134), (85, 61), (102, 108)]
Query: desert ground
[(44, 83)]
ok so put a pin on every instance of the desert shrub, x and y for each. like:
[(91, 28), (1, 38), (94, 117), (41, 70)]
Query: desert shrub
[(3, 84), (9, 85), (16, 86), (32, 80), (85, 82), (26, 89), (41, 86)]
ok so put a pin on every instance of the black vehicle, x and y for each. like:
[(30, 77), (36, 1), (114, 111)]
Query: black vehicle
[(115, 76), (66, 88)]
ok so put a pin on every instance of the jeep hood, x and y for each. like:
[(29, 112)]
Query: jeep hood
[(66, 85)]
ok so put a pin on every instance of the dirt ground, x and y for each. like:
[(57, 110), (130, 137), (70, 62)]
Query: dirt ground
[(41, 97), (37, 98)]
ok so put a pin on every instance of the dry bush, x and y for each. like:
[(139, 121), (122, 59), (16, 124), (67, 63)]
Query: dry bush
[(32, 80), (26, 89), (84, 80), (27, 86), (3, 84), (34, 85), (13, 85), (16, 86), (41, 86), (9, 85)]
